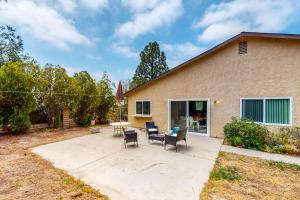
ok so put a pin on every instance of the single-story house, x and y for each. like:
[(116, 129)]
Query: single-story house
[(252, 75)]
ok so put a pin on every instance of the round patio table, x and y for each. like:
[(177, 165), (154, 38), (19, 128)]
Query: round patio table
[(118, 126)]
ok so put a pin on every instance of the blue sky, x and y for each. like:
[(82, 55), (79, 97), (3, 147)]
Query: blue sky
[(107, 35)]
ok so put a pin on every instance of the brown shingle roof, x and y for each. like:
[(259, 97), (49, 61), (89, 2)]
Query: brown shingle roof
[(214, 49)]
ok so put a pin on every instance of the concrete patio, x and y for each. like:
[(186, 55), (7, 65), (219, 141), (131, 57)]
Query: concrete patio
[(144, 172)]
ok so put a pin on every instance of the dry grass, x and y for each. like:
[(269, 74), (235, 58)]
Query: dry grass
[(24, 175), (258, 179)]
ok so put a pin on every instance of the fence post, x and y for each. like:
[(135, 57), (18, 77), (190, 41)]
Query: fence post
[(66, 118)]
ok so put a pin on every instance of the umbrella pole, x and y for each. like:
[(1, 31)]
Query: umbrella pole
[(120, 111)]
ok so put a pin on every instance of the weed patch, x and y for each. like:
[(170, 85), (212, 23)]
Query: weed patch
[(283, 166), (255, 179), (226, 173)]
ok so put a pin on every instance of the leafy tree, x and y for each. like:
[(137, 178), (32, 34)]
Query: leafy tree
[(17, 82), (11, 45), (106, 100), (152, 64), (86, 89), (55, 87)]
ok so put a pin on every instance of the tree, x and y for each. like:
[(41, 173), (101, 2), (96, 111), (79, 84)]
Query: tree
[(11, 45), (84, 108), (106, 100), (55, 91), (152, 64), (126, 84), (17, 82)]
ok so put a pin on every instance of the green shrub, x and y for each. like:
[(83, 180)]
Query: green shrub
[(58, 121), (245, 134), (15, 107), (226, 173), (86, 121), (19, 122)]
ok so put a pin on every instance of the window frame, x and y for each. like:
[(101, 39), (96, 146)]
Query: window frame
[(264, 109), (143, 115)]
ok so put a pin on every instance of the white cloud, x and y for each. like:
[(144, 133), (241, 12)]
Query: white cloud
[(41, 21), (125, 51), (226, 19), (140, 5), (94, 57), (162, 14), (68, 6), (179, 53), (94, 5), (72, 70)]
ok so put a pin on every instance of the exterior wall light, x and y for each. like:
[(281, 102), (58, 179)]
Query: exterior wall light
[(216, 102)]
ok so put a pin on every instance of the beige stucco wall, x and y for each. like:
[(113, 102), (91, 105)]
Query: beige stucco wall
[(270, 68)]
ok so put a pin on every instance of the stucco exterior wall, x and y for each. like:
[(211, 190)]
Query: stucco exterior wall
[(271, 68)]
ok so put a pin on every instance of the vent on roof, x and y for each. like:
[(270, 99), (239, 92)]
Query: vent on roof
[(243, 47)]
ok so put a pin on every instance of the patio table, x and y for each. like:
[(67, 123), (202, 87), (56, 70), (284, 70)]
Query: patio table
[(118, 126), (158, 137)]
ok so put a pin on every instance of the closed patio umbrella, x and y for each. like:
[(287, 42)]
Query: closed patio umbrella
[(120, 96)]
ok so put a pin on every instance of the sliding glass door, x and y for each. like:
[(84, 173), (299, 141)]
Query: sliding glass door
[(197, 117), (192, 114), (178, 114)]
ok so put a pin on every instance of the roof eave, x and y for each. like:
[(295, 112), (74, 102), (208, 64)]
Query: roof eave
[(214, 49)]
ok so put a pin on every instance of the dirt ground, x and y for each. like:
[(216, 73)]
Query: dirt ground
[(25, 175), (252, 178)]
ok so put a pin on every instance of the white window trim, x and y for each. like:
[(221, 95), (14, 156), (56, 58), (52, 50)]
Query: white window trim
[(142, 115), (264, 110)]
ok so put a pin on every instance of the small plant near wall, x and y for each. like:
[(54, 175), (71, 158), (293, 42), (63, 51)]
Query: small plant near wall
[(246, 134)]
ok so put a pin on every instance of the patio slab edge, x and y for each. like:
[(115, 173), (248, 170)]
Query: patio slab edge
[(262, 155)]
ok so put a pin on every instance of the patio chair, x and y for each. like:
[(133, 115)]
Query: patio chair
[(174, 139), (130, 136), (151, 128)]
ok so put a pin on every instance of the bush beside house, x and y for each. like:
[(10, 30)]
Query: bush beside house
[(245, 134), (250, 135)]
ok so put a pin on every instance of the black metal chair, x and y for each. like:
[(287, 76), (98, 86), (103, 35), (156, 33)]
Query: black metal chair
[(151, 128), (173, 140), (130, 136)]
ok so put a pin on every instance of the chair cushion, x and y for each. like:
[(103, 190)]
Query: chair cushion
[(150, 124), (175, 129), (171, 133), (152, 129)]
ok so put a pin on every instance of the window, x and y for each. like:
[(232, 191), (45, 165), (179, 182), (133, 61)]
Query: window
[(275, 111), (139, 107), (253, 110), (146, 107), (143, 107)]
